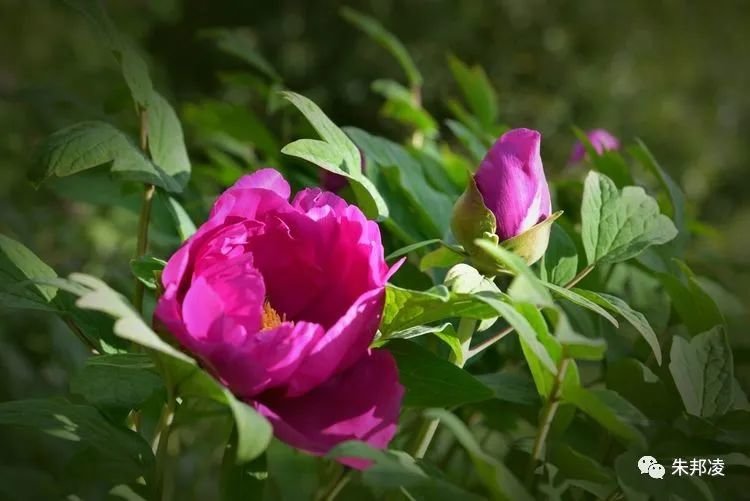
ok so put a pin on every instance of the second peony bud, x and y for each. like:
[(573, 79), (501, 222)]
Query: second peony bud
[(510, 188)]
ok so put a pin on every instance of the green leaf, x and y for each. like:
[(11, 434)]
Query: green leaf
[(406, 308), (575, 465), (336, 153), (254, 433), (135, 72), (511, 387), (697, 309), (89, 144), (147, 269), (120, 382), (608, 409), (431, 381), (444, 332), (166, 142), (526, 331), (240, 43), (639, 385), (619, 225), (19, 267), (87, 429), (560, 262), (400, 105), (410, 248), (377, 32), (581, 300), (442, 257), (578, 346), (477, 91), (468, 139), (396, 469), (496, 477), (703, 371), (183, 223), (432, 207), (293, 474), (635, 318), (526, 287), (676, 197), (98, 296)]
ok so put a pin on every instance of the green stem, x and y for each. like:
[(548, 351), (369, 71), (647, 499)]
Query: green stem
[(337, 486), (417, 137), (427, 430), (580, 276), (545, 422), (145, 215), (424, 436)]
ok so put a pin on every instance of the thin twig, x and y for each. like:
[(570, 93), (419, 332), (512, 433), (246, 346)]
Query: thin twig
[(580, 276), (145, 215), (548, 415), (337, 486)]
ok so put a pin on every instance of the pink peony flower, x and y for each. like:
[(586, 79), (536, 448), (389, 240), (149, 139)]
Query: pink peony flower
[(280, 301), (512, 182), (600, 139)]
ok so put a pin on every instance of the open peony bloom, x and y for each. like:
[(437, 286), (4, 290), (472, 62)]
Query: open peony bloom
[(512, 183), (600, 139), (280, 301)]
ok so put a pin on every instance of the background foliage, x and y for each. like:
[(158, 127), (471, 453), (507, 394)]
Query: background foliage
[(666, 72)]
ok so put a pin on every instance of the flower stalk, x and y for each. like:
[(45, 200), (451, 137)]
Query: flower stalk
[(145, 215)]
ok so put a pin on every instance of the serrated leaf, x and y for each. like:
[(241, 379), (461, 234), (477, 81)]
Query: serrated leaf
[(496, 477), (19, 268), (406, 308), (635, 318), (377, 32), (703, 371), (166, 142), (431, 381), (619, 225), (560, 262), (335, 153)]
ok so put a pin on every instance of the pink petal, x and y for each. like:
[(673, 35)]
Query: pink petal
[(342, 345), (360, 404)]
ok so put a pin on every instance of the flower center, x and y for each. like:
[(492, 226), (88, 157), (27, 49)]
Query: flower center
[(270, 318)]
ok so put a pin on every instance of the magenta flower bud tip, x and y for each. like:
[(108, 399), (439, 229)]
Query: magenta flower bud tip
[(512, 182), (600, 139)]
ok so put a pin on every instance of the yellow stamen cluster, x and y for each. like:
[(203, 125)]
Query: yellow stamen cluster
[(270, 319)]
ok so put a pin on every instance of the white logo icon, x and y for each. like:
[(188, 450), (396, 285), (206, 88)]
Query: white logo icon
[(645, 462), (656, 471), (649, 465)]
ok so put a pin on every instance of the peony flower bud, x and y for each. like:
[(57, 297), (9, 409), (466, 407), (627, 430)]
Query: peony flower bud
[(507, 198), (600, 139)]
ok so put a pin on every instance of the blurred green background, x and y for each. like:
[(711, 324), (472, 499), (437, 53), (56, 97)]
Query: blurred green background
[(672, 72)]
